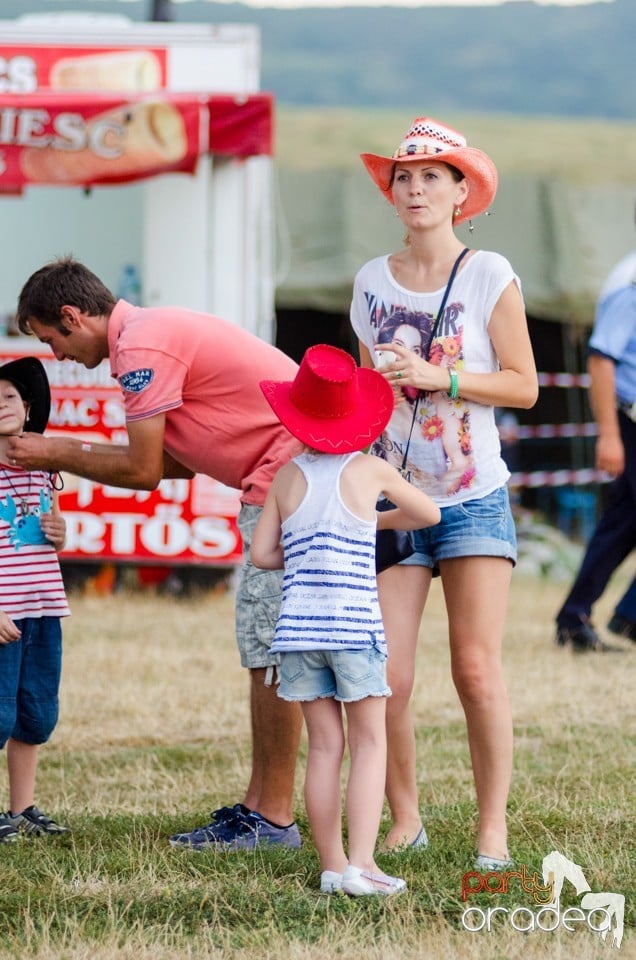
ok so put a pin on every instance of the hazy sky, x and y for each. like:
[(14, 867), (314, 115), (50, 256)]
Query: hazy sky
[(406, 3), (400, 3), (368, 3)]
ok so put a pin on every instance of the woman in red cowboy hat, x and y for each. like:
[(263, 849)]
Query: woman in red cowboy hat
[(319, 522), (473, 353)]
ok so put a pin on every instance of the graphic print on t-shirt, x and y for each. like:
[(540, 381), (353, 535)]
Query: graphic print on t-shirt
[(444, 463)]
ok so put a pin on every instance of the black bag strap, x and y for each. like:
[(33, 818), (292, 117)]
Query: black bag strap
[(433, 333), (445, 297)]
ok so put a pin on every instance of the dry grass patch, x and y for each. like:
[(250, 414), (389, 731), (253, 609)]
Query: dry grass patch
[(154, 733)]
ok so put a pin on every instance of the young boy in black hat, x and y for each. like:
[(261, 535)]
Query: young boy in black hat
[(32, 599)]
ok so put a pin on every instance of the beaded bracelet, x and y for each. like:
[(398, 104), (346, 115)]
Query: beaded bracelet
[(453, 390)]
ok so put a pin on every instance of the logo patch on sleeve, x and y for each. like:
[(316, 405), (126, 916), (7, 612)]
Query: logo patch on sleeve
[(137, 380)]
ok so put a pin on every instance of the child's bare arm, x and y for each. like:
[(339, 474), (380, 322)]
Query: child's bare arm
[(54, 526), (415, 508), (266, 550), (8, 630)]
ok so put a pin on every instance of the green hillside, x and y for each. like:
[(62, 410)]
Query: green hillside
[(579, 151)]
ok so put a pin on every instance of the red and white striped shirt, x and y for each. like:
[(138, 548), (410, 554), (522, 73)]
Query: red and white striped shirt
[(31, 582)]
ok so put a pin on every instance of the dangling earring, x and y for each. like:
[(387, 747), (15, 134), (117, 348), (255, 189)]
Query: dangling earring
[(457, 213)]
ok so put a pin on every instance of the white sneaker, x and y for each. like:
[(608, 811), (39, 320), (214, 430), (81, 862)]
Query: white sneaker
[(486, 864), (330, 882), (361, 883), (421, 839)]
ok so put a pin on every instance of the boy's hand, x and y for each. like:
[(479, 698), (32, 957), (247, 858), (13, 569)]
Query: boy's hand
[(8, 630), (54, 529)]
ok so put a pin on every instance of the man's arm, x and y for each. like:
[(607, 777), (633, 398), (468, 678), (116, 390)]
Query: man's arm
[(610, 455), (138, 465)]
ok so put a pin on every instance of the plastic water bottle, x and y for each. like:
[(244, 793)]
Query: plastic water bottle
[(130, 285)]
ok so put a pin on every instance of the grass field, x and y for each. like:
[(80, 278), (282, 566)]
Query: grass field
[(571, 149), (154, 733)]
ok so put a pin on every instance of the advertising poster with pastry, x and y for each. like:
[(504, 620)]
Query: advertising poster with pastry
[(98, 139), (88, 106), (38, 67), (93, 117), (72, 117)]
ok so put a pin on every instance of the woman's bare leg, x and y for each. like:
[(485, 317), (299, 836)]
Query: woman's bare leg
[(476, 592)]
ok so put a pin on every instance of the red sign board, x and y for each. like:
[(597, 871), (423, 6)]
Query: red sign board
[(181, 522), (36, 67), (90, 115)]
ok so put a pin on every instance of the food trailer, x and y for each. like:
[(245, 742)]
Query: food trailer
[(143, 149)]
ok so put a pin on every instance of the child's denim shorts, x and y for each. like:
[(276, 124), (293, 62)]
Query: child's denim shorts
[(346, 675), (475, 528), (30, 671)]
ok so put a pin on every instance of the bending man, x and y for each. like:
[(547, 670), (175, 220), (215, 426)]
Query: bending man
[(190, 385)]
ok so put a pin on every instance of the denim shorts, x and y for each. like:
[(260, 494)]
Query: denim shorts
[(346, 675), (257, 604), (30, 670), (475, 528)]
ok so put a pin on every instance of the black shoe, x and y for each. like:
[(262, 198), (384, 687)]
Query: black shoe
[(622, 627), (8, 833), (582, 638), (33, 822)]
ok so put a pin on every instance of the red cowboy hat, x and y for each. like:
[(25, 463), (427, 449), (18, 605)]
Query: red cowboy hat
[(332, 405), (430, 138)]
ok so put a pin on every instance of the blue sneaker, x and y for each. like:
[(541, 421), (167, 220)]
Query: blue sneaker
[(238, 831), (202, 836), (252, 830)]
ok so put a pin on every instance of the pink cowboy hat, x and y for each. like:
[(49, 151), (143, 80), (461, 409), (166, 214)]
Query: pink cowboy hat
[(430, 138), (332, 405)]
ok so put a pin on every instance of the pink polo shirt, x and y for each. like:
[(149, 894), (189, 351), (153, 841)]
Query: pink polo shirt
[(204, 374)]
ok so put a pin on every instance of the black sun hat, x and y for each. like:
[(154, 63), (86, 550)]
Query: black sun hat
[(29, 377)]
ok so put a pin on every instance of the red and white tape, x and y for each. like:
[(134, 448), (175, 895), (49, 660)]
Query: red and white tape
[(547, 430), (558, 478), (564, 380)]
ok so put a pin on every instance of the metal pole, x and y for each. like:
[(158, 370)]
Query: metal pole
[(162, 11)]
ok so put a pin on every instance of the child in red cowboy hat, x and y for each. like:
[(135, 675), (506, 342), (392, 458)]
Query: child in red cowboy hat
[(32, 599), (319, 523), (454, 322)]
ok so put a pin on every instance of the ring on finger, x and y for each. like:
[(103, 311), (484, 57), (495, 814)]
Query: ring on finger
[(399, 374)]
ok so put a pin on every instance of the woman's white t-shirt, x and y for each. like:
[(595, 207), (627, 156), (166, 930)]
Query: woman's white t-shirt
[(454, 454)]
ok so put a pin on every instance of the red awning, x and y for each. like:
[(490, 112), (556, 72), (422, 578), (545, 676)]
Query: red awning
[(90, 139)]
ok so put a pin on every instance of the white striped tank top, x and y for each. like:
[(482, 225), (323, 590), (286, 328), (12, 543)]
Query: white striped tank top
[(330, 596)]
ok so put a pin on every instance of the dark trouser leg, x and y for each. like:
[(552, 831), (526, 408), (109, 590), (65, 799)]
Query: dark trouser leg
[(612, 541)]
